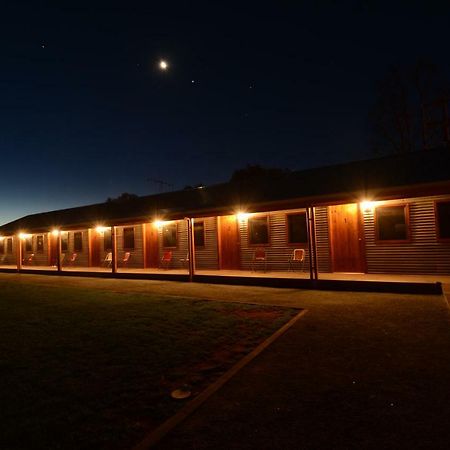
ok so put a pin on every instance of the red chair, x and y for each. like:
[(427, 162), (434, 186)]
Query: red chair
[(259, 257), (72, 259), (166, 259), (297, 257), (125, 259), (28, 259)]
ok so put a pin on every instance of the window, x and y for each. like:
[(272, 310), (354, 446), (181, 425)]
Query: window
[(443, 219), (199, 234), (128, 238), (78, 241), (64, 241), (9, 246), (40, 244), (170, 234), (258, 230), (2, 245), (29, 244), (392, 223), (297, 230), (107, 240)]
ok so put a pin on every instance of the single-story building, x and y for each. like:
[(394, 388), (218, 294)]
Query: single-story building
[(388, 215)]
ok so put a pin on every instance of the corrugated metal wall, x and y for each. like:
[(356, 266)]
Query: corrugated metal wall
[(322, 239), (9, 259), (278, 252), (180, 252), (423, 255), (83, 256), (207, 257), (136, 260)]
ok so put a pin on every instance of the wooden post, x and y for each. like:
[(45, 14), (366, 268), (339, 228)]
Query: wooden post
[(114, 249), (191, 248), (19, 252), (58, 252), (308, 223), (314, 243)]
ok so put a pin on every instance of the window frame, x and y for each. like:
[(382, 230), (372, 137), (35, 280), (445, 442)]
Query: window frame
[(64, 238), (406, 210), (288, 233), (175, 222), (259, 216), (203, 245), (75, 249), (436, 221), (123, 238), (105, 233), (38, 248), (9, 246), (28, 247)]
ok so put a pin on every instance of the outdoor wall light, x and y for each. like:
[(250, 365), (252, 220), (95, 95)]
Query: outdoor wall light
[(100, 229), (367, 206), (24, 236), (158, 223), (242, 215), (55, 232)]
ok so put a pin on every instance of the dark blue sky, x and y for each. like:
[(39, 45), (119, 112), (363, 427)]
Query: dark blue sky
[(85, 113)]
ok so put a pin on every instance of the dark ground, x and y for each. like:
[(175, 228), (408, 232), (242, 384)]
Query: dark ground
[(361, 372)]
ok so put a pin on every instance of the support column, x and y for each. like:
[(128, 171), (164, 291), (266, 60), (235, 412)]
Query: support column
[(311, 264), (191, 248), (113, 250), (314, 243), (19, 252), (58, 252)]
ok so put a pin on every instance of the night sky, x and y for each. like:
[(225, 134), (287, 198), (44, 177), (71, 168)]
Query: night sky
[(87, 114)]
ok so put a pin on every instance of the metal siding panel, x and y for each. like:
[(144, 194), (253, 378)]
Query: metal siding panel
[(207, 257), (278, 252), (423, 255)]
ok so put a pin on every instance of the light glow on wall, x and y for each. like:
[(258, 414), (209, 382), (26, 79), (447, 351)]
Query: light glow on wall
[(367, 205), (24, 236), (241, 215), (101, 229)]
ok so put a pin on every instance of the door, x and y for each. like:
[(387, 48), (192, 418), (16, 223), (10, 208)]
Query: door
[(151, 246), (95, 238), (229, 256), (346, 243), (53, 250)]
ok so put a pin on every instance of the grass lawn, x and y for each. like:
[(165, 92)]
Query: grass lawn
[(88, 368)]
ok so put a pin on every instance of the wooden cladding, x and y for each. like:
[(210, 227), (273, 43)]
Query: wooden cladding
[(229, 253), (345, 238)]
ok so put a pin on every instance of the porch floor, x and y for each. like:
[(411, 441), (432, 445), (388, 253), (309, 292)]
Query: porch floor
[(400, 278)]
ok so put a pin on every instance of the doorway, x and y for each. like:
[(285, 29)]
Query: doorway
[(229, 255), (346, 238)]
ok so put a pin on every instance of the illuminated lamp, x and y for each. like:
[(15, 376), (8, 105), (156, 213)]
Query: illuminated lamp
[(367, 206), (241, 215)]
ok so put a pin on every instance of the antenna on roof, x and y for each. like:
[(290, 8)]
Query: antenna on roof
[(161, 184)]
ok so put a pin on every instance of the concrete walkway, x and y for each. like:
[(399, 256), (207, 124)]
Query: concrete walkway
[(357, 372)]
